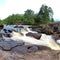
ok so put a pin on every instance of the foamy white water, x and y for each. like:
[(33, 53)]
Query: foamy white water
[(58, 41), (45, 40)]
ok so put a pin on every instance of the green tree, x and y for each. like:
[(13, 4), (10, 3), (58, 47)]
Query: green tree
[(29, 16), (1, 21), (45, 15), (13, 19)]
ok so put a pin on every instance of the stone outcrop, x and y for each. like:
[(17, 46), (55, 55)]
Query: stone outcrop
[(49, 29), (43, 29), (34, 55), (15, 50)]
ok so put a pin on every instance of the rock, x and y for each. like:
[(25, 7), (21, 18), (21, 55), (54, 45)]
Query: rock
[(37, 29), (8, 45), (1, 26), (7, 35), (18, 27), (42, 55), (33, 48), (56, 36), (20, 49), (4, 55), (36, 55), (43, 29), (0, 35), (55, 29), (35, 35)]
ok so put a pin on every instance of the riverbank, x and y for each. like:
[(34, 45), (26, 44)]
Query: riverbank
[(13, 50)]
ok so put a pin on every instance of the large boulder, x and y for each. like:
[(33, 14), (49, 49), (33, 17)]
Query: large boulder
[(35, 35)]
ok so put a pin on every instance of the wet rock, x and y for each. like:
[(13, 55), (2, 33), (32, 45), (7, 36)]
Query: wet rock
[(18, 27), (55, 29), (43, 48), (35, 35), (0, 35), (43, 29), (1, 26), (56, 36), (33, 48), (36, 55), (37, 28), (7, 35), (20, 49), (8, 45)]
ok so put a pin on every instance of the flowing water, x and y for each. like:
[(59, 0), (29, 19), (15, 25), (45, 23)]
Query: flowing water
[(45, 40)]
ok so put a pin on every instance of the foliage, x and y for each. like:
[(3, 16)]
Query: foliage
[(1, 22), (13, 19), (45, 15), (29, 16)]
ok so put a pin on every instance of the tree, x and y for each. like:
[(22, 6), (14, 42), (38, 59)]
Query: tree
[(13, 19), (29, 16), (1, 22), (45, 14)]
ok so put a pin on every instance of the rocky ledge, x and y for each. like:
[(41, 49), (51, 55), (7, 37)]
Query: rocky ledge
[(13, 50)]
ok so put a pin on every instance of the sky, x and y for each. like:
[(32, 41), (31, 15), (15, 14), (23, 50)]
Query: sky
[(9, 7)]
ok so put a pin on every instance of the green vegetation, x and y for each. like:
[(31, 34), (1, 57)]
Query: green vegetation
[(29, 16), (13, 19), (44, 16)]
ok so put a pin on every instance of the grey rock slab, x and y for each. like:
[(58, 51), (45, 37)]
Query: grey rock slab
[(8, 45), (20, 49), (33, 48)]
